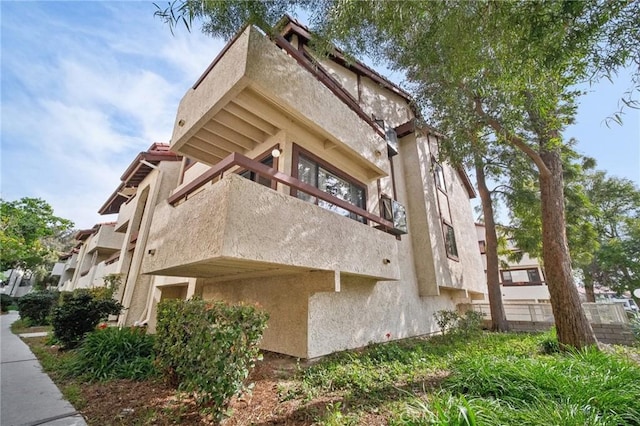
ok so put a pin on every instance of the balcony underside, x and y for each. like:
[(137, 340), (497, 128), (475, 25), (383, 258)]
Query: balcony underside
[(237, 228), (253, 91)]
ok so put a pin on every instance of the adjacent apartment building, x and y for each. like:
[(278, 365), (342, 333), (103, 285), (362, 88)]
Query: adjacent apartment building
[(306, 187), (520, 282)]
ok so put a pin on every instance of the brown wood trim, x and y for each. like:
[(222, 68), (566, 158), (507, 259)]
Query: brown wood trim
[(523, 283), (236, 159), (297, 150), (406, 128), (259, 158), (318, 71)]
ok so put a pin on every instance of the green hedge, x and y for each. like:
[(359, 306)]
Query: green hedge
[(78, 314), (208, 348), (36, 307)]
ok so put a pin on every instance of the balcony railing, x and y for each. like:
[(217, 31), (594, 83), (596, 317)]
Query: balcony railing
[(523, 283), (244, 163)]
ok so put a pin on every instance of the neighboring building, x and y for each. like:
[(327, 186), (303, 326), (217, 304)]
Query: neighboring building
[(18, 282), (520, 282), (148, 181), (292, 195), (91, 259)]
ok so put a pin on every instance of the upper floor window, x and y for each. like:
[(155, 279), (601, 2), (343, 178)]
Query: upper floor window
[(315, 172), (450, 241), (438, 173)]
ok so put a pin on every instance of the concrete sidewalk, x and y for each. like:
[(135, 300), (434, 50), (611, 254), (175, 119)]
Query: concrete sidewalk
[(28, 397)]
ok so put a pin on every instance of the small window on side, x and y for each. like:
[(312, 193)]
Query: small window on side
[(450, 241)]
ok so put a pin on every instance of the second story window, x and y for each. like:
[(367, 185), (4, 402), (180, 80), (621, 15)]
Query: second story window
[(439, 175), (316, 172)]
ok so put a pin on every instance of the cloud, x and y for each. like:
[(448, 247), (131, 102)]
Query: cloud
[(86, 86)]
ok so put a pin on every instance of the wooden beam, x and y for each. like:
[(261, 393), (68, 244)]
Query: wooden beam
[(238, 125), (251, 118)]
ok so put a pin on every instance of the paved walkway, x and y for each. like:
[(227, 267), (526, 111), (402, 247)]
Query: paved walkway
[(28, 397)]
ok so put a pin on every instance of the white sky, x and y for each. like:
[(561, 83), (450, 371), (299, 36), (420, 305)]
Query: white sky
[(85, 86)]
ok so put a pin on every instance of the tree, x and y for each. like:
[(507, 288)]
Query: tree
[(506, 66), (26, 229), (616, 217)]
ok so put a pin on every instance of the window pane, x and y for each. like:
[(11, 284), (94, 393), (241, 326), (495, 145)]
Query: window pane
[(307, 173), (450, 241), (534, 275), (310, 172), (506, 277)]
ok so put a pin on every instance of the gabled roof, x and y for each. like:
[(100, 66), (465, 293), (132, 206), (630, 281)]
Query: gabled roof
[(136, 173)]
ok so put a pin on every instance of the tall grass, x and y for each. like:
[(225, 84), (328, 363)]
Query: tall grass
[(489, 379), (125, 353)]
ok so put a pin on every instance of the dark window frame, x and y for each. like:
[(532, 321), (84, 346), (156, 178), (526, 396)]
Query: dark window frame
[(260, 158), (297, 151), (445, 228)]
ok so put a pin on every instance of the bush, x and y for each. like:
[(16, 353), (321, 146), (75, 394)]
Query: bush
[(451, 321), (78, 314), (116, 353), (635, 325), (5, 302), (208, 349), (36, 307)]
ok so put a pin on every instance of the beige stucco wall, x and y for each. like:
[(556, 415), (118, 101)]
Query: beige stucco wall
[(136, 291), (247, 222), (285, 298), (106, 238), (325, 285)]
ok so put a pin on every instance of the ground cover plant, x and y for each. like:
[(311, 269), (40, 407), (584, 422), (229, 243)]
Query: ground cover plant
[(457, 379)]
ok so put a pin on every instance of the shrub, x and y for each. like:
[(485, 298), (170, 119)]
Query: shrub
[(451, 321), (5, 302), (36, 307), (635, 325), (79, 314), (208, 349), (116, 353)]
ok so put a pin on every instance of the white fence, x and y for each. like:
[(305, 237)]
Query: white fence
[(597, 313)]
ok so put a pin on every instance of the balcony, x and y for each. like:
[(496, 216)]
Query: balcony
[(236, 228), (254, 90), (125, 214), (105, 240)]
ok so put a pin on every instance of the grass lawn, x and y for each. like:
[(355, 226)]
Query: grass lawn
[(483, 379)]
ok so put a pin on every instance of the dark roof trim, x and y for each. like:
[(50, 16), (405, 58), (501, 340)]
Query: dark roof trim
[(309, 64), (406, 128), (466, 181), (136, 173), (295, 27)]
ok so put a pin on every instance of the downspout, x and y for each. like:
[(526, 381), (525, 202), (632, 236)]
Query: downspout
[(143, 233)]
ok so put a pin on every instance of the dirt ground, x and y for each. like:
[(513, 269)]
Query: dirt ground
[(126, 402)]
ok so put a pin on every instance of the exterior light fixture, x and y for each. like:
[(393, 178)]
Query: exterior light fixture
[(276, 152)]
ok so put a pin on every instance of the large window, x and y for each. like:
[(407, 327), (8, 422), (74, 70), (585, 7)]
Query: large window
[(315, 172)]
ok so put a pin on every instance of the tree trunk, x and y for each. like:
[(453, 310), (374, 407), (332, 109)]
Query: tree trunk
[(498, 316), (572, 325), (589, 292)]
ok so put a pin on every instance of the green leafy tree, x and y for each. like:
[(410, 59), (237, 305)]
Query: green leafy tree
[(616, 217), (506, 66), (27, 227)]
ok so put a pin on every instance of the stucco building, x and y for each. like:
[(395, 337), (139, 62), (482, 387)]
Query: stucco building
[(307, 188), (520, 282)]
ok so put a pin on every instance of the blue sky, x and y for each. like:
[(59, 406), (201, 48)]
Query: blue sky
[(85, 86)]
